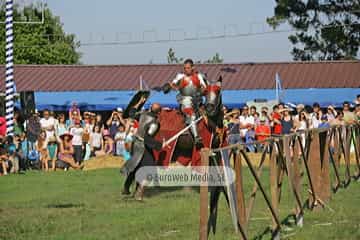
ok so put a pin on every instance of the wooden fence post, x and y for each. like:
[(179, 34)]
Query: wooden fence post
[(204, 198)]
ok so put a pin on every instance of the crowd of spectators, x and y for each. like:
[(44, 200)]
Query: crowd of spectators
[(251, 125), (48, 141)]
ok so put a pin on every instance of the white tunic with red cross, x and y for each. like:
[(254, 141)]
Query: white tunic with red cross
[(190, 88)]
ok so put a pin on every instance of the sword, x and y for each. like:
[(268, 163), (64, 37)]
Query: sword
[(173, 138)]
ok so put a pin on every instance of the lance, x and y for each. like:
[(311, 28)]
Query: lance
[(173, 138)]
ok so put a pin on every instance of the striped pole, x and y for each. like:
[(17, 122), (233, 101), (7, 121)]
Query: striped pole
[(9, 81)]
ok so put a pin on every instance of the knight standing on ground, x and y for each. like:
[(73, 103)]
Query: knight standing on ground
[(191, 86)]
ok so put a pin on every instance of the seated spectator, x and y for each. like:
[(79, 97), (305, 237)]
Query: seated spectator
[(108, 145), (3, 159), (41, 147), (53, 151), (66, 151)]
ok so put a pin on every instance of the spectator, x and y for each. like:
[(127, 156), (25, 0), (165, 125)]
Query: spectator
[(33, 130), (61, 126), (3, 159), (66, 151), (357, 100), (120, 141), (276, 121), (339, 120), (234, 127), (252, 110), (2, 126), (263, 115), (99, 121), (287, 125), (53, 151), (115, 121), (315, 116), (246, 121), (330, 113), (349, 117), (299, 109), (74, 112), (41, 147), (48, 124), (108, 144), (18, 126), (357, 113), (77, 132), (324, 122), (12, 155), (96, 140), (262, 132)]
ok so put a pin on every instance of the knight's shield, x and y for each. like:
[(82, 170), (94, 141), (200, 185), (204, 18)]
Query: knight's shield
[(134, 100)]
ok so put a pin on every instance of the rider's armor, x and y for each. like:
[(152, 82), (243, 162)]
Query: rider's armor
[(190, 98)]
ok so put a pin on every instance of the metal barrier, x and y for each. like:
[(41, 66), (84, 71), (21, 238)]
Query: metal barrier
[(303, 154)]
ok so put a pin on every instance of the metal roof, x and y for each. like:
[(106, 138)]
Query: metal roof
[(335, 74)]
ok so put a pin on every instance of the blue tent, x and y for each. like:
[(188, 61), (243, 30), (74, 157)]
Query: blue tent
[(108, 100)]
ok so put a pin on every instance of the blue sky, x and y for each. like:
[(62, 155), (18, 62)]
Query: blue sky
[(107, 20)]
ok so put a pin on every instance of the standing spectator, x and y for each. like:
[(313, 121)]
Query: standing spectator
[(61, 126), (115, 121), (324, 122), (74, 112), (33, 129), (276, 121), (315, 116), (233, 127), (120, 141), (99, 121), (299, 109), (66, 151), (357, 100), (357, 113), (330, 113), (246, 122), (18, 124), (252, 110), (96, 140), (2, 126), (349, 117), (339, 119), (48, 124), (41, 147), (77, 142), (262, 132), (53, 151), (287, 124)]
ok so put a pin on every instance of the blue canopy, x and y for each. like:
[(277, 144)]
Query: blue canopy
[(108, 100)]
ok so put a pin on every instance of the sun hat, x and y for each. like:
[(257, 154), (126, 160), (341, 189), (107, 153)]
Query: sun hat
[(66, 134)]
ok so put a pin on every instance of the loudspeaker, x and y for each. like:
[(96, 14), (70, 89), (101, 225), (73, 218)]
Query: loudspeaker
[(27, 103)]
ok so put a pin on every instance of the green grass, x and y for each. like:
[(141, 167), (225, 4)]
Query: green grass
[(88, 205)]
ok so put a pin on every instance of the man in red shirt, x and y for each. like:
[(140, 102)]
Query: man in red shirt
[(276, 121), (262, 131)]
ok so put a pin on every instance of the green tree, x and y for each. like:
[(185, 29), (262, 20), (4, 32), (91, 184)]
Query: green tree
[(172, 59), (215, 59), (45, 43), (325, 29)]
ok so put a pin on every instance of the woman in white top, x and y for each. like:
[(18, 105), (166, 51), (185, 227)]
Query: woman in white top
[(96, 140)]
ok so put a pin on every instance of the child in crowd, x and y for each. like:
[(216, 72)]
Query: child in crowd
[(41, 147), (52, 150), (96, 140)]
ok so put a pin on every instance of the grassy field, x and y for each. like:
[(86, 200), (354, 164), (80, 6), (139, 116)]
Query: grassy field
[(88, 205)]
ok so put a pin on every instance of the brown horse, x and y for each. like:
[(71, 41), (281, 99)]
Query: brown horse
[(210, 128)]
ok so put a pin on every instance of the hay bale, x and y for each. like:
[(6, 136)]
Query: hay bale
[(104, 162)]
